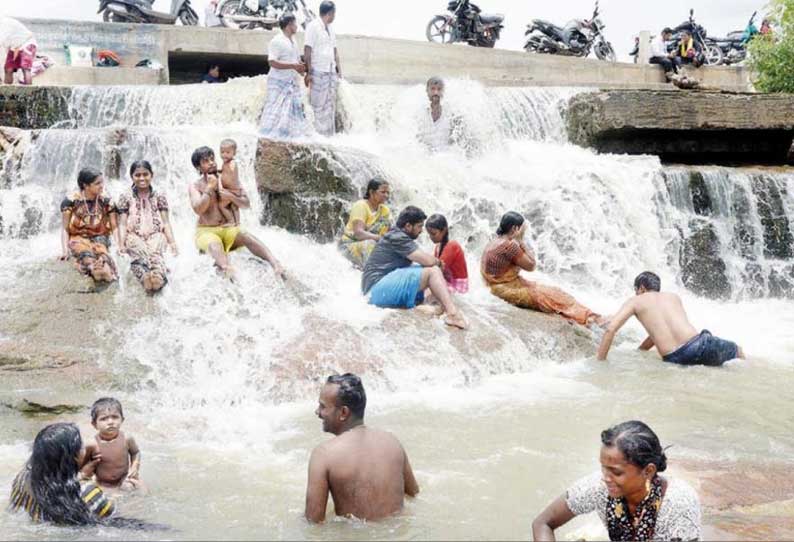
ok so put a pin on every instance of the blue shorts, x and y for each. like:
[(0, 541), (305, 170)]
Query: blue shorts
[(704, 349), (399, 289)]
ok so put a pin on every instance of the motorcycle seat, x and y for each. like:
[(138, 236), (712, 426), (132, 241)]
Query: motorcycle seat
[(541, 22), (488, 19), (737, 35)]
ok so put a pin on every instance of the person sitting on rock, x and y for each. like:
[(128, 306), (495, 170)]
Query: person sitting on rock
[(369, 220), (502, 262), (456, 272), (664, 318), (631, 498), (89, 220), (669, 61), (391, 279)]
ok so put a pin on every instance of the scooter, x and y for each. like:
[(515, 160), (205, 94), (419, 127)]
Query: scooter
[(140, 11), (253, 14)]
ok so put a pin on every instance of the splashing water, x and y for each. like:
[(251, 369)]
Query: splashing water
[(218, 379)]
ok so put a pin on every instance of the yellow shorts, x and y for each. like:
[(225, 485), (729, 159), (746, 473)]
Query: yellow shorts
[(224, 235)]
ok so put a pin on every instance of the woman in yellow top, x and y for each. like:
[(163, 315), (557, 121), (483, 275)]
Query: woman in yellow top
[(370, 219)]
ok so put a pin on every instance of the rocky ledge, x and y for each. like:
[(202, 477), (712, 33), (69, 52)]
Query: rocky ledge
[(691, 127)]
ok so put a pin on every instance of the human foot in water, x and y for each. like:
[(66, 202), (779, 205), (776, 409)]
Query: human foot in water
[(430, 310), (456, 320)]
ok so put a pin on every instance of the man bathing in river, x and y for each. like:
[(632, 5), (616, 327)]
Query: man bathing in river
[(212, 233), (663, 317), (366, 470)]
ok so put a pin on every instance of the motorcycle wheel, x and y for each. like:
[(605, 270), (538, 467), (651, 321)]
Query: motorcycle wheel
[(230, 7), (438, 30), (714, 55), (188, 17), (488, 41), (604, 51)]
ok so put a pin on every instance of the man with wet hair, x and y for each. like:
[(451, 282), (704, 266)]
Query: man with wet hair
[(322, 68), (213, 235), (392, 280), (366, 470), (663, 317)]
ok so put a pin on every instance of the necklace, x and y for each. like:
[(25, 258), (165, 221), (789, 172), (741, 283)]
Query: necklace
[(85, 204)]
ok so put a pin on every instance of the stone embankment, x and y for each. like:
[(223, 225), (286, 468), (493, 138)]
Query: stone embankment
[(685, 126)]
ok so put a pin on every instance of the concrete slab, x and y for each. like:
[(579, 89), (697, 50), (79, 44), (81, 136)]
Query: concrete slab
[(364, 59)]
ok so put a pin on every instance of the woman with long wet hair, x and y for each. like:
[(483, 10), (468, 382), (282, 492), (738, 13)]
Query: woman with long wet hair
[(145, 228), (48, 487), (632, 499), (456, 273), (89, 220), (502, 262)]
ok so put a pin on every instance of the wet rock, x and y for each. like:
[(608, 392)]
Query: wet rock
[(701, 200), (685, 127), (781, 282), (34, 107), (778, 239), (744, 233), (31, 408), (308, 189), (702, 269)]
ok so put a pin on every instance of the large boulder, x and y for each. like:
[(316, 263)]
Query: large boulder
[(685, 127), (308, 189)]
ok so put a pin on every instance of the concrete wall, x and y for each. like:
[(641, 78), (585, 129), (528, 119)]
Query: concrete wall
[(364, 59)]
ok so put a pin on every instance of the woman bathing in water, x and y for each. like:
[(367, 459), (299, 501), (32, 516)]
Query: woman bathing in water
[(450, 253), (369, 221), (89, 219), (630, 497), (145, 229), (502, 262)]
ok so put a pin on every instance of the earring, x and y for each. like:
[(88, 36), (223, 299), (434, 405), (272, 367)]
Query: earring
[(647, 485)]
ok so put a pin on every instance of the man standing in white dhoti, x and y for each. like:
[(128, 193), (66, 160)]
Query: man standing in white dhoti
[(322, 68), (283, 116)]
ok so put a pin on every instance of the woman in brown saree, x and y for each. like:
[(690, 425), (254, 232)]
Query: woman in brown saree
[(89, 219), (501, 264), (145, 229)]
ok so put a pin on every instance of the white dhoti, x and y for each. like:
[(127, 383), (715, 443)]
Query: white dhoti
[(283, 116)]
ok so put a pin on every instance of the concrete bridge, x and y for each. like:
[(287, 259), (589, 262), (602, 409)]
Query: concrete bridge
[(185, 51)]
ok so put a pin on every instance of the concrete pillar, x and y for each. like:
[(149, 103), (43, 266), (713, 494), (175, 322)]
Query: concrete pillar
[(644, 54)]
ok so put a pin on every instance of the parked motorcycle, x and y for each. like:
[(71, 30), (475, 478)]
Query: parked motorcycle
[(577, 38), (708, 51), (252, 14), (140, 11), (466, 24), (734, 45)]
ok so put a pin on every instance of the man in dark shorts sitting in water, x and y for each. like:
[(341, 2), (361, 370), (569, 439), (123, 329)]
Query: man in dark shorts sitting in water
[(663, 317), (366, 470)]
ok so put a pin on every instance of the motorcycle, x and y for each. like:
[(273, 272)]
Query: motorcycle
[(252, 14), (734, 45), (466, 24), (140, 11), (577, 38), (708, 51)]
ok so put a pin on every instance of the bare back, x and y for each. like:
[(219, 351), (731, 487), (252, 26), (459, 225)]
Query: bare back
[(365, 471), (663, 316), (115, 464)]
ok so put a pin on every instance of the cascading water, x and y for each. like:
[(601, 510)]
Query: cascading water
[(218, 379)]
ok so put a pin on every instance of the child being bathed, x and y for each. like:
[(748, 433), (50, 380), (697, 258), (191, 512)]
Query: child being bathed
[(111, 456), (229, 180)]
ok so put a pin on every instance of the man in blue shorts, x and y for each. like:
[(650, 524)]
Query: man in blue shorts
[(398, 271), (663, 317)]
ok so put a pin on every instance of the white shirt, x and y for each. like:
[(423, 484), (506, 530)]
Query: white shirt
[(322, 40), (210, 18), (658, 47), (13, 34), (283, 49), (436, 134)]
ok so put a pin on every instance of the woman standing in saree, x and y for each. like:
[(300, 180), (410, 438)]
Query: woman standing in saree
[(502, 262), (88, 220), (369, 220), (145, 229)]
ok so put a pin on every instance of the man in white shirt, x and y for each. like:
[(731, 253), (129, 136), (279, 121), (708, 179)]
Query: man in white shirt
[(659, 55), (21, 46), (283, 116), (322, 68)]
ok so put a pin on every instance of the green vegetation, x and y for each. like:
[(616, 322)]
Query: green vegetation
[(772, 57)]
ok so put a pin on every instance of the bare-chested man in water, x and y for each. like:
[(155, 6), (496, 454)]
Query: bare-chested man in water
[(366, 470), (663, 317), (212, 235)]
